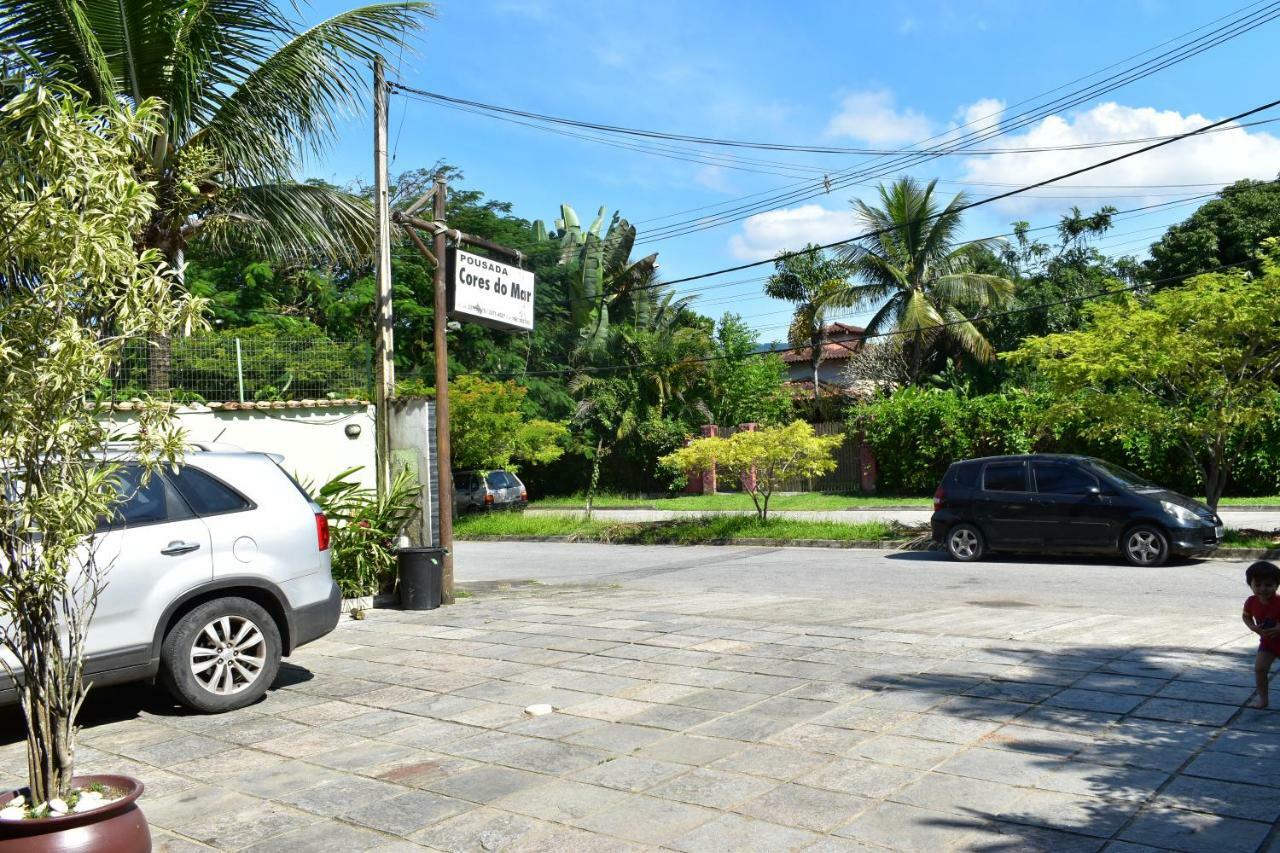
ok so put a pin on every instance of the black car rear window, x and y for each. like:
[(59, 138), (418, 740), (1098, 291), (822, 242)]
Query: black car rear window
[(965, 475), (1006, 477)]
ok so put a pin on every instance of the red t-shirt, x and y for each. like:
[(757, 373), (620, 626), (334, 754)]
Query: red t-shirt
[(1266, 616)]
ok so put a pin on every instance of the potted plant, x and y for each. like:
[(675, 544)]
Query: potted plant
[(73, 289)]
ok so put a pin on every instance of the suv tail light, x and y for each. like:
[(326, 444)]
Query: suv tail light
[(322, 531), (938, 497), (524, 496), (488, 499)]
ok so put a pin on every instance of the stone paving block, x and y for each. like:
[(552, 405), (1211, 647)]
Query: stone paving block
[(647, 820), (900, 827), (1256, 744), (429, 767), (1253, 802), (792, 708), (1035, 740), (176, 750), (406, 813), (630, 774), (340, 792), (308, 743), (1248, 770), (485, 784), (221, 765), (675, 718), (329, 711), (1097, 780), (486, 746), (978, 708), (1226, 694), (275, 780), (1000, 836), (743, 726), (863, 718), (718, 789), (730, 832), (996, 765), (368, 756), (194, 804), (1095, 700), (689, 749), (1074, 812), (561, 800), (836, 691), (167, 842), (1013, 691), (863, 778), (1069, 720), (1112, 683), (904, 751), (479, 829), (1255, 720), (978, 798), (1180, 711), (828, 740), (804, 807), (616, 737), (322, 837), (428, 734), (943, 728), (1175, 829), (716, 699), (554, 758), (555, 838), (773, 762), (770, 684)]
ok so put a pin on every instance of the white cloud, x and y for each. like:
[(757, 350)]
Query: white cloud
[(713, 178), (873, 117), (983, 114), (766, 234), (1214, 158)]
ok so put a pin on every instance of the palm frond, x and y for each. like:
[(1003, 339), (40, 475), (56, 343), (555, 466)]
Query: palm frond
[(971, 291), (889, 316), (919, 313), (296, 96), (60, 33), (294, 221), (967, 337)]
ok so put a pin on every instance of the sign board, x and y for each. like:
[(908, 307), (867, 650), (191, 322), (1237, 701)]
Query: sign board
[(485, 291)]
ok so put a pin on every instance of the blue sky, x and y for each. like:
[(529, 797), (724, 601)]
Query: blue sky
[(882, 75)]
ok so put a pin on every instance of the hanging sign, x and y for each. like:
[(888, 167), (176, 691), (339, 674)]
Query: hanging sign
[(484, 291)]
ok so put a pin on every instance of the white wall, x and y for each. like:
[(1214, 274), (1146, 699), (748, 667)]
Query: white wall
[(313, 441)]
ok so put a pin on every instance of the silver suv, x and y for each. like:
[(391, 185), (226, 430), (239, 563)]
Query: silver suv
[(213, 572)]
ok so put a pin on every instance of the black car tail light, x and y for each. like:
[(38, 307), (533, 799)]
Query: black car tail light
[(938, 498)]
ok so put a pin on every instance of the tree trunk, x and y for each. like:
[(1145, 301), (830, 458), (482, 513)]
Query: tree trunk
[(595, 477), (160, 349)]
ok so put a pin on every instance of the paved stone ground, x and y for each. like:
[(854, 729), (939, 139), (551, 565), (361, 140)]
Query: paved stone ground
[(683, 723)]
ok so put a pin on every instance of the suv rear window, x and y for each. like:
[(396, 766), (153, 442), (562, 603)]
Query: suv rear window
[(1006, 477), (204, 494), (496, 479)]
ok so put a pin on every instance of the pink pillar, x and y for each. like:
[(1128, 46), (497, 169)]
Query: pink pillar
[(749, 478), (708, 478)]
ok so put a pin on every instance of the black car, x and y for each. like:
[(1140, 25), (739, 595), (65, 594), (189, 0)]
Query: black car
[(1048, 503)]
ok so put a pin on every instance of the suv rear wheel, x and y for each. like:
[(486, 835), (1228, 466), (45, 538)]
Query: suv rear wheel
[(222, 655), (965, 543), (1145, 545)]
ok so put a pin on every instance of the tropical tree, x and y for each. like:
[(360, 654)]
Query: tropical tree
[(489, 427), (244, 90), (1229, 229), (815, 283), (922, 284), (73, 289)]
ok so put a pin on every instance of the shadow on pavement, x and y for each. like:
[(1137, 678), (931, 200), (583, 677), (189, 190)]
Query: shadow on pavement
[(1149, 746)]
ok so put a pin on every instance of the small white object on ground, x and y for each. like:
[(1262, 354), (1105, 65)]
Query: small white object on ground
[(13, 813), (538, 710), (58, 805), (19, 800)]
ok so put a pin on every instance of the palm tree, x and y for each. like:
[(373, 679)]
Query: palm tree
[(815, 283), (245, 91), (925, 287)]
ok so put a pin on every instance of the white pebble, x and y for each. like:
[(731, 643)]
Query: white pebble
[(19, 800), (91, 795), (12, 813), (58, 805), (538, 710)]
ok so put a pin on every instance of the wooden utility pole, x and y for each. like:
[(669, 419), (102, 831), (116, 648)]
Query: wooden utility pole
[(443, 456), (384, 346)]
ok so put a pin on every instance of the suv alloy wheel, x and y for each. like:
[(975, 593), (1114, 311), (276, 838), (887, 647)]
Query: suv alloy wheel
[(222, 655)]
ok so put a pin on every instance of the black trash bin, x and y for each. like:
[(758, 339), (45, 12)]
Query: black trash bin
[(421, 575)]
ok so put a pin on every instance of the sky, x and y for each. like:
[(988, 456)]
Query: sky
[(884, 75)]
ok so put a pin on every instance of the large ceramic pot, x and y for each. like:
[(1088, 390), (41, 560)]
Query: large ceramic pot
[(118, 827)]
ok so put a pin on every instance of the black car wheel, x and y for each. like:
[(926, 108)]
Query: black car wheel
[(1145, 545), (965, 543)]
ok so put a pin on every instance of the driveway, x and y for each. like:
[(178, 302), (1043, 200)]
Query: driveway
[(856, 701)]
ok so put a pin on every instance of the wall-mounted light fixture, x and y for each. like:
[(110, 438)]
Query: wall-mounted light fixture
[(352, 430)]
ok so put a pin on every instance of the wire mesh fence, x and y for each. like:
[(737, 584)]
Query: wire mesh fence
[(227, 368)]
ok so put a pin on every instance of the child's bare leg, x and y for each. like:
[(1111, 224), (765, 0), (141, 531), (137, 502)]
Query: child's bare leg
[(1262, 677)]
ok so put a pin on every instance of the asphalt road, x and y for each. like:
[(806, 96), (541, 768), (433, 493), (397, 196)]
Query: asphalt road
[(1067, 599)]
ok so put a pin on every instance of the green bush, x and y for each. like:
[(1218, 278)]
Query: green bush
[(916, 433), (363, 530)]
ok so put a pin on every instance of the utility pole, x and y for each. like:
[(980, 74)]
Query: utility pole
[(384, 346), (443, 463)]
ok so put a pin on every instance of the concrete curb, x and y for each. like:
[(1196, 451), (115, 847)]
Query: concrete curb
[(875, 544)]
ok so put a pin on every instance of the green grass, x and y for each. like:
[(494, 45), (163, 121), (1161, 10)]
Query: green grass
[(1267, 500), (711, 503), (682, 532), (1233, 538)]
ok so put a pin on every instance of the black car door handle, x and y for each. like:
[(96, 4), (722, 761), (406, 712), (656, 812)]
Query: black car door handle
[(176, 547)]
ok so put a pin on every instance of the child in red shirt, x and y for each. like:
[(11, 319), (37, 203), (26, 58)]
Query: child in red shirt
[(1262, 617)]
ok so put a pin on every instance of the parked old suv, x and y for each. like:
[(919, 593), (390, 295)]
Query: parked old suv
[(482, 490), (1066, 504), (214, 570)]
